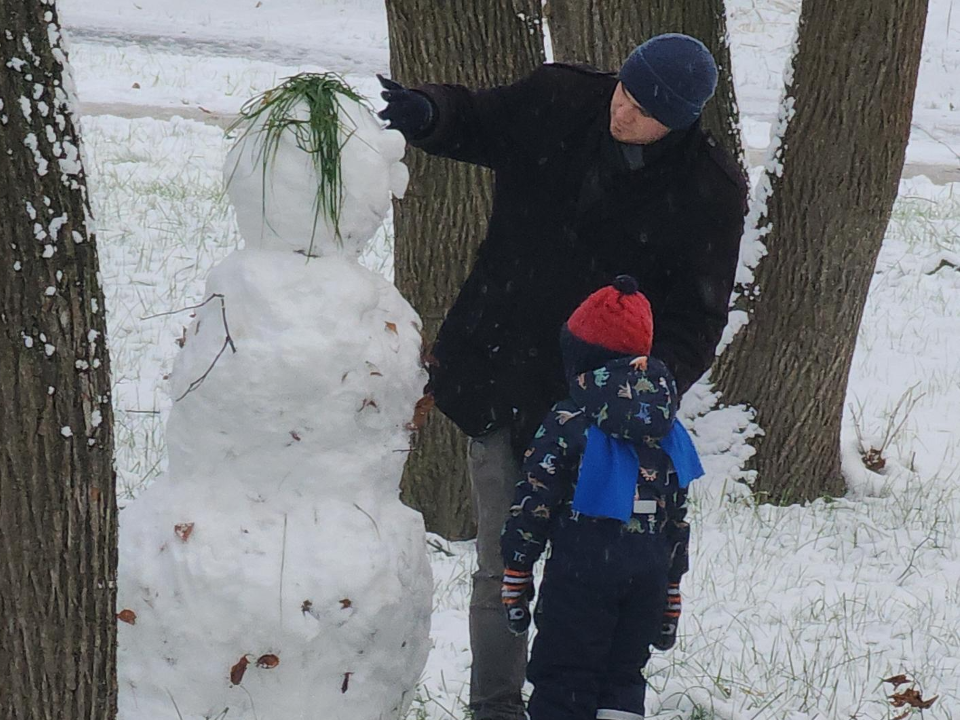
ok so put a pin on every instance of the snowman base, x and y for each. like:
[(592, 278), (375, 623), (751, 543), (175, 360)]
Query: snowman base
[(273, 572)]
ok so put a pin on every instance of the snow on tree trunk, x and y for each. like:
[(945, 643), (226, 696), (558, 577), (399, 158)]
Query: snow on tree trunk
[(273, 571), (604, 33), (443, 218), (823, 211), (58, 532)]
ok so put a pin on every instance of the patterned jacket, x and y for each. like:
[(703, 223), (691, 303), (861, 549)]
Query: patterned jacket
[(632, 399)]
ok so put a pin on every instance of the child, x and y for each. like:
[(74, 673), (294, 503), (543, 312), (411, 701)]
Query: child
[(604, 481)]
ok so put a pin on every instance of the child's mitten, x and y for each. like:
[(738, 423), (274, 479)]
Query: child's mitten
[(516, 593)]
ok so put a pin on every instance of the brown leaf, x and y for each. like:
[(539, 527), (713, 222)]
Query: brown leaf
[(183, 530), (392, 327), (904, 714), (897, 680), (368, 402), (259, 4), (237, 671), (306, 607), (346, 603), (127, 616), (136, 86), (420, 412), (912, 697), (874, 461), (346, 682), (268, 662), (294, 435), (426, 356)]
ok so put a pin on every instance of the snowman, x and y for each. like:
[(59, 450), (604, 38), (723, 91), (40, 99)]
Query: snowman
[(273, 573)]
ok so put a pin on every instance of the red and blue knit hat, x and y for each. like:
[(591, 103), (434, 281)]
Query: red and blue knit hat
[(617, 318)]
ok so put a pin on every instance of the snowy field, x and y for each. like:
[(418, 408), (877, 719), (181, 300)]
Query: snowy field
[(790, 612)]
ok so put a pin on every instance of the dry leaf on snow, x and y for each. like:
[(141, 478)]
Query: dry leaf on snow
[(183, 530), (237, 671), (911, 697), (268, 662), (897, 680)]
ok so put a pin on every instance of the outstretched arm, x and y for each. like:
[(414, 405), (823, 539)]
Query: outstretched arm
[(482, 127)]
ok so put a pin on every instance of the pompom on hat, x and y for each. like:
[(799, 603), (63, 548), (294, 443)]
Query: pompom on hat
[(617, 318)]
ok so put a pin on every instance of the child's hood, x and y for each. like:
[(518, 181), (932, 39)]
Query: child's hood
[(628, 398)]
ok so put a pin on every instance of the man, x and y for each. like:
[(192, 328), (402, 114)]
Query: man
[(597, 175)]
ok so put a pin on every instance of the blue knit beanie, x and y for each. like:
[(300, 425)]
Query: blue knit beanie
[(672, 76)]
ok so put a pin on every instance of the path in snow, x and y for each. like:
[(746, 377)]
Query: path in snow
[(939, 174), (346, 59)]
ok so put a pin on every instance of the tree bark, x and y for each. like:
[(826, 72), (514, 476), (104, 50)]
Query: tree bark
[(847, 113), (443, 218), (58, 515), (604, 33)]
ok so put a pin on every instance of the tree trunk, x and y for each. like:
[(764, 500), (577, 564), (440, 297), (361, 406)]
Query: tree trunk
[(58, 515), (603, 34), (847, 118), (443, 218)]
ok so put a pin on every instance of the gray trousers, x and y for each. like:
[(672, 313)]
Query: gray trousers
[(499, 657)]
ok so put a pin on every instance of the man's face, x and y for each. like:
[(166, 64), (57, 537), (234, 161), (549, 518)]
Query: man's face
[(630, 123)]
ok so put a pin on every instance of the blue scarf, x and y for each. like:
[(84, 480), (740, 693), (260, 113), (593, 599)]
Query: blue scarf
[(608, 472)]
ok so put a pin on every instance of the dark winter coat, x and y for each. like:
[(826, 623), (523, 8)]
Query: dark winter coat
[(569, 215), (629, 399)]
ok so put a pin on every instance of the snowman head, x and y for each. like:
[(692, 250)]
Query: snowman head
[(312, 169)]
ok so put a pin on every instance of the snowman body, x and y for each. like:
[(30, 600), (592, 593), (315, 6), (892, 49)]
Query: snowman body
[(273, 571)]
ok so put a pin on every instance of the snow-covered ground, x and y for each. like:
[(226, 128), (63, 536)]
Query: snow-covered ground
[(185, 55), (789, 613)]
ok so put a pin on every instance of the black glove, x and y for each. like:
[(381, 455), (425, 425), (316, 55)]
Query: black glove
[(408, 111), (516, 593), (671, 618)]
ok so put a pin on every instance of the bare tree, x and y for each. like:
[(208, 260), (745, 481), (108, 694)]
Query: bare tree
[(58, 515), (847, 115), (443, 217), (602, 34)]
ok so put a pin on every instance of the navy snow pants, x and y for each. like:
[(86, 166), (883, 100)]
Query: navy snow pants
[(601, 606)]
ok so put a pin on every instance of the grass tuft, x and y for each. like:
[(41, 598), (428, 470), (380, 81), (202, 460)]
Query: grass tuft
[(318, 134)]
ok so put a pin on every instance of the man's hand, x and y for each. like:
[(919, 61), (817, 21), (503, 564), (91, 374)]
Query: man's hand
[(671, 618), (408, 111), (516, 593)]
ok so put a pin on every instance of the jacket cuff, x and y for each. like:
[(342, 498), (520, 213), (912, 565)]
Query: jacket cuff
[(434, 139), (432, 117)]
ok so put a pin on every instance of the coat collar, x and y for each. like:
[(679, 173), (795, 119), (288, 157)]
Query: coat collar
[(676, 149)]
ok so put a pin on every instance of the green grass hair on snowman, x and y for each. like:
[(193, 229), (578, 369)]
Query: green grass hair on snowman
[(274, 112)]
